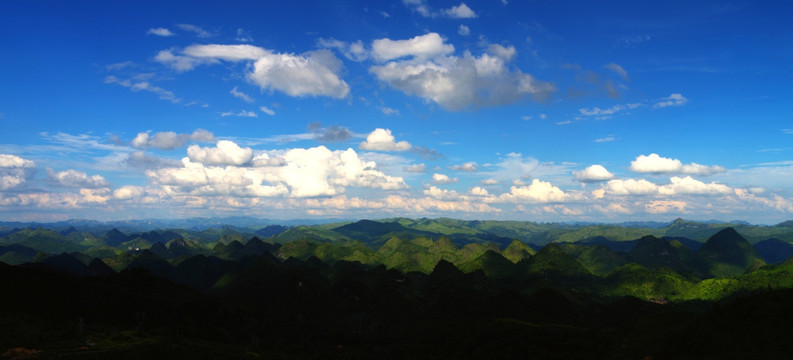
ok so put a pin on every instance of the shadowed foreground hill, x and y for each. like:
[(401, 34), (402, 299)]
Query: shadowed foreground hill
[(411, 297), (308, 309)]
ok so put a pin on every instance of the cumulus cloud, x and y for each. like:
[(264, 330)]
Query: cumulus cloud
[(676, 186), (382, 140), (461, 11), (467, 167), (489, 182), (422, 47), (416, 168), (225, 153), (665, 206), (314, 73), (671, 100), (656, 164), (160, 32), (690, 186), (538, 192), (76, 179), (128, 192), (442, 194), (593, 173), (623, 187), (298, 173), (453, 82), (14, 171), (478, 191), (441, 179), (310, 74), (169, 140)]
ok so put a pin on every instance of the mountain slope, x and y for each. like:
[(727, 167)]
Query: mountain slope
[(726, 253)]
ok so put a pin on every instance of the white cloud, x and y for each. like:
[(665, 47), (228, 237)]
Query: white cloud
[(211, 52), (621, 187), (461, 11), (382, 140), (419, 6), (241, 95), (314, 73), (416, 168), (619, 70), (389, 111), (441, 194), (354, 51), (676, 186), (605, 139), (697, 169), (169, 140), (593, 173), (441, 179), (139, 159), (512, 167), (671, 100), (128, 192), (76, 179), (160, 32), (478, 191), (538, 192), (8, 161), (596, 111), (195, 30), (296, 173), (267, 110), (225, 153), (656, 164), (467, 167), (15, 171), (665, 206), (422, 47), (241, 113), (463, 30), (690, 186), (456, 83), (136, 86), (243, 36), (489, 182)]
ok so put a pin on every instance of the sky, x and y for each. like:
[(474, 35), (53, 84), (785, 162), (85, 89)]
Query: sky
[(566, 111)]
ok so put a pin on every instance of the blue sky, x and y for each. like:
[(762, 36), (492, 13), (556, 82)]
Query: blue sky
[(525, 110)]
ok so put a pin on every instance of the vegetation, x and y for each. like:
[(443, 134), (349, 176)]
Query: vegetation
[(396, 288)]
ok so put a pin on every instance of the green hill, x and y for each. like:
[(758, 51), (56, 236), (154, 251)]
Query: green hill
[(726, 253)]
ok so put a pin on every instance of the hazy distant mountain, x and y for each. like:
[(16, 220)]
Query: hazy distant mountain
[(774, 251)]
